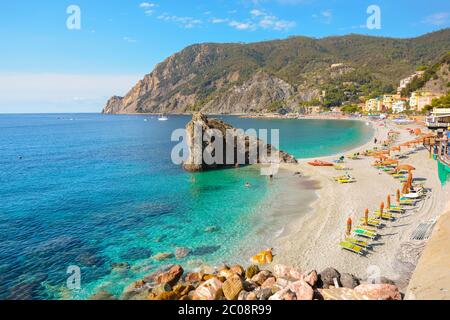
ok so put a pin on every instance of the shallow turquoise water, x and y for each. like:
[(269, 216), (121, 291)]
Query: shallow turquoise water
[(93, 190)]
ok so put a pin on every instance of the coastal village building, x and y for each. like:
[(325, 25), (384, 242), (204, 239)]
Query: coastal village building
[(373, 105), (313, 109), (439, 119), (406, 81), (388, 101), (399, 106), (421, 99)]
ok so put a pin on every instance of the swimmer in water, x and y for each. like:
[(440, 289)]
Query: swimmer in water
[(248, 185)]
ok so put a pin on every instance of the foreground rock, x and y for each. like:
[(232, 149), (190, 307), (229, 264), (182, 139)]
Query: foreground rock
[(379, 291), (236, 283), (200, 126)]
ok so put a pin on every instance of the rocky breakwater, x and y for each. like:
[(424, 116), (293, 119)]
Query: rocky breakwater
[(252, 283), (214, 144)]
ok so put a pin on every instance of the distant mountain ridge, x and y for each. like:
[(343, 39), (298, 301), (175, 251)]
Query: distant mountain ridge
[(263, 76)]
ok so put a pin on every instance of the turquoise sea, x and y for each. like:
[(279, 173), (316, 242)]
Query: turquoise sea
[(100, 192)]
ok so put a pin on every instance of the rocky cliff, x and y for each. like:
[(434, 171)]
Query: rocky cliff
[(265, 76), (201, 126)]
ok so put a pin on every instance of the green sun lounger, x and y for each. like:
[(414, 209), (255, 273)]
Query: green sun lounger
[(373, 222), (368, 228), (396, 210), (362, 232), (352, 247), (357, 242), (409, 202), (385, 216)]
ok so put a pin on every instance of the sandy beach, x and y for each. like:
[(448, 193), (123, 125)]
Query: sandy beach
[(312, 240)]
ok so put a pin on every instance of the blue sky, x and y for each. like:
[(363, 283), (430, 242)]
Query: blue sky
[(45, 67)]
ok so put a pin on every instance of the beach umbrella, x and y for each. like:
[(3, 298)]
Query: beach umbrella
[(381, 209), (417, 131), (366, 217), (398, 196), (390, 161), (349, 226), (388, 201), (410, 179), (406, 167), (405, 189)]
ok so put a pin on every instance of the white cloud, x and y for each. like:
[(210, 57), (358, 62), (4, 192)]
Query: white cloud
[(149, 12), (256, 13), (218, 20), (147, 5), (272, 22), (437, 19), (54, 92), (325, 16), (241, 25), (260, 19), (185, 22), (129, 40)]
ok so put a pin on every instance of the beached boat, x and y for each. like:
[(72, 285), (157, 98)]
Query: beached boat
[(319, 163)]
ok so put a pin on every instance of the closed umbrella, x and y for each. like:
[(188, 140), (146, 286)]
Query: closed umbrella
[(349, 226), (366, 217), (410, 179), (388, 201), (381, 209), (398, 196), (405, 189)]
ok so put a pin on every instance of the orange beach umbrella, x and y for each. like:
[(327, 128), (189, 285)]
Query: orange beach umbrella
[(349, 226), (398, 196), (390, 161), (406, 167), (410, 179), (388, 201), (381, 208), (366, 217), (405, 189)]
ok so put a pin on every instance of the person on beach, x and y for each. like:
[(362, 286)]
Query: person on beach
[(375, 140)]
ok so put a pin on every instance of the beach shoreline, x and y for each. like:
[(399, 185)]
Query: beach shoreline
[(312, 240)]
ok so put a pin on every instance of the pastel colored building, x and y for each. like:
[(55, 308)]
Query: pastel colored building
[(399, 106), (404, 82), (421, 99), (373, 105)]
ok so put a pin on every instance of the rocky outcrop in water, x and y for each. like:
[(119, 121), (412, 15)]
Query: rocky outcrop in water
[(202, 125)]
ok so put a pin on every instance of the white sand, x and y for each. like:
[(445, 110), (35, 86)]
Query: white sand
[(312, 241)]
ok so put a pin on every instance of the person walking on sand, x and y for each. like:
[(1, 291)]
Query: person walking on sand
[(375, 140)]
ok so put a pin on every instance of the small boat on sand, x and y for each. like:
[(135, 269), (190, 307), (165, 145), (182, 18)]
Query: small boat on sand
[(319, 163)]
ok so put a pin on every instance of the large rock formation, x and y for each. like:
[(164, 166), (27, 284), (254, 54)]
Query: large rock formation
[(201, 126)]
